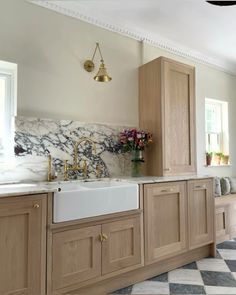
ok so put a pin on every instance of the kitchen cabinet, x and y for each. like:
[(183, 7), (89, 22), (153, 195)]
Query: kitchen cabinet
[(86, 253), (122, 247), (167, 110), (222, 224), (225, 214), (200, 212), (76, 256), (23, 244), (165, 220)]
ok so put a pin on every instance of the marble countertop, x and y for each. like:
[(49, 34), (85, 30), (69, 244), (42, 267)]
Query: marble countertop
[(30, 188)]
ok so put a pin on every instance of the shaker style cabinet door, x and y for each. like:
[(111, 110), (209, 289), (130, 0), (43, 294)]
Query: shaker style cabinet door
[(179, 119), (165, 220), (167, 110), (23, 245), (76, 256), (201, 212), (121, 246)]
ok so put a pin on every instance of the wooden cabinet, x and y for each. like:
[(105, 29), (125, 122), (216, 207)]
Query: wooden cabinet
[(167, 109), (225, 215), (222, 224), (23, 245), (200, 212), (87, 253), (165, 220), (122, 249), (76, 256)]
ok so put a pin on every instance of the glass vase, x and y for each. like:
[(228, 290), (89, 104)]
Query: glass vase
[(137, 160)]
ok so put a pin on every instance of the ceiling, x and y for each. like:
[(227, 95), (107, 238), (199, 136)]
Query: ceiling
[(191, 28)]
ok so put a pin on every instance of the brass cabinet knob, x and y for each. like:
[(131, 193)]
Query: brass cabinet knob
[(36, 206), (103, 237)]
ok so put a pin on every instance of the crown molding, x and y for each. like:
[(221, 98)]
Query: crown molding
[(171, 47)]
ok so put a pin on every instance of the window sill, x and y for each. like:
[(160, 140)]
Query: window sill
[(213, 166)]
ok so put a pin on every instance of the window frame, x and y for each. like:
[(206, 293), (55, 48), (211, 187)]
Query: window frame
[(9, 71), (224, 130)]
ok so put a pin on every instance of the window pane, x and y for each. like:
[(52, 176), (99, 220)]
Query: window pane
[(2, 109), (213, 118)]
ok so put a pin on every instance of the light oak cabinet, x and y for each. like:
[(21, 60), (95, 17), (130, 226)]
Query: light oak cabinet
[(222, 224), (122, 249), (225, 214), (23, 245), (201, 212), (165, 220), (167, 110), (76, 256), (89, 252)]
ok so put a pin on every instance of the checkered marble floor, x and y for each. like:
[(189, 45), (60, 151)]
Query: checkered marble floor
[(206, 276)]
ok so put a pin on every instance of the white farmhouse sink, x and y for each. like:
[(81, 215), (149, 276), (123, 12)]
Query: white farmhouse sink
[(88, 199)]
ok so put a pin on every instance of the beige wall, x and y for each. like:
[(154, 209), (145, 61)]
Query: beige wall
[(50, 48)]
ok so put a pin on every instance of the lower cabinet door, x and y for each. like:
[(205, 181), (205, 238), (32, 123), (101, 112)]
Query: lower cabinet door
[(201, 212), (165, 215), (232, 219), (23, 245), (76, 256), (222, 224), (121, 247)]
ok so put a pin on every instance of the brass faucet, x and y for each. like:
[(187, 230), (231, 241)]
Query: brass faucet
[(76, 166), (51, 176)]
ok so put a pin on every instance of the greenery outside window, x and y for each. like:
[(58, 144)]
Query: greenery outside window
[(216, 128)]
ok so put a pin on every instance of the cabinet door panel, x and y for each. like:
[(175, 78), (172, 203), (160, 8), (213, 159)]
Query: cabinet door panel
[(222, 225), (76, 256), (201, 212), (122, 249), (179, 119), (23, 245), (232, 219), (165, 220)]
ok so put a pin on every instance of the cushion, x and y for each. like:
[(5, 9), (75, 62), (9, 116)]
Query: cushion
[(225, 186), (232, 181), (217, 187)]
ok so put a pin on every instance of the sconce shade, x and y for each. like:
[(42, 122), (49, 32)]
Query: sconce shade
[(102, 75)]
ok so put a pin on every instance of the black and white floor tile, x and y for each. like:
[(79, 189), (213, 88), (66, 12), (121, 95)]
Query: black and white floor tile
[(206, 276)]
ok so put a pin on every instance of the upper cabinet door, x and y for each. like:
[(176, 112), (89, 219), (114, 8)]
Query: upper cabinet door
[(179, 155), (201, 212)]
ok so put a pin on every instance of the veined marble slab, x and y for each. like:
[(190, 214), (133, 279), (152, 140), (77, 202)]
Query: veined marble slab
[(36, 138)]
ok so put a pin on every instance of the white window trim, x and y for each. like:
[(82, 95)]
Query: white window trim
[(10, 70), (224, 123)]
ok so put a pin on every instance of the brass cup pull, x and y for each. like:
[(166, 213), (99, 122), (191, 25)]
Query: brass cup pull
[(36, 206), (103, 237)]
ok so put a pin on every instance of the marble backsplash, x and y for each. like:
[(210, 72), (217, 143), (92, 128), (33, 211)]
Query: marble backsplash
[(36, 138)]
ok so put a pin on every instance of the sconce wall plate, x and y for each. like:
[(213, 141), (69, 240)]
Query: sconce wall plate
[(89, 65)]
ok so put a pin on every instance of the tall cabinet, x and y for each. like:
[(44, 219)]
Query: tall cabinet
[(167, 109)]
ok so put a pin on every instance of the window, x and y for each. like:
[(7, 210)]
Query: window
[(8, 72), (216, 120)]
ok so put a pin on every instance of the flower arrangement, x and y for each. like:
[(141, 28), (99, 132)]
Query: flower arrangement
[(134, 140)]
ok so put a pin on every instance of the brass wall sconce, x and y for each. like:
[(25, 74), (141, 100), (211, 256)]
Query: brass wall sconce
[(102, 75)]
